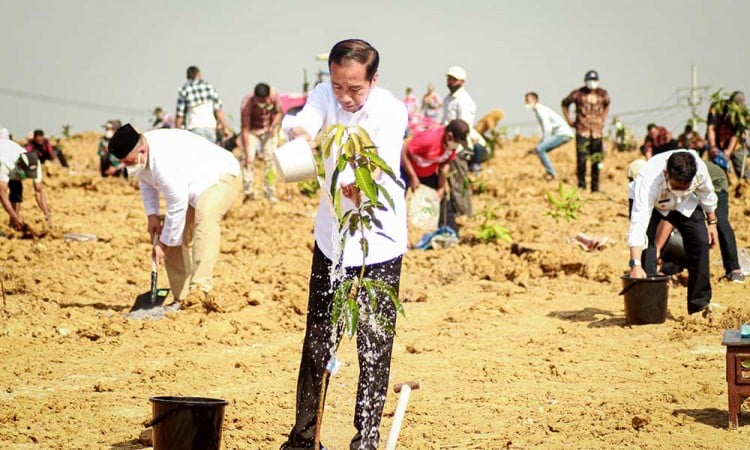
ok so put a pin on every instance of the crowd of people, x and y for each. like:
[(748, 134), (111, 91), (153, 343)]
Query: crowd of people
[(432, 141)]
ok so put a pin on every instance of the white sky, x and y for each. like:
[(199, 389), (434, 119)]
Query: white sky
[(86, 61)]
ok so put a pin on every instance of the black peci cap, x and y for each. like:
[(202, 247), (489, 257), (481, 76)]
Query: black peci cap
[(123, 141)]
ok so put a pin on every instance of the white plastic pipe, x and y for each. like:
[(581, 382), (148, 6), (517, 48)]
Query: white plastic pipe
[(398, 416)]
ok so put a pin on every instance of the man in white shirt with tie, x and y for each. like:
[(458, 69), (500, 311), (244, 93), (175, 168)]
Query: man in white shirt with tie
[(675, 186), (199, 181)]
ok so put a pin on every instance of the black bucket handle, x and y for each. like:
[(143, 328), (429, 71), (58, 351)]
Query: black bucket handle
[(154, 422), (636, 280)]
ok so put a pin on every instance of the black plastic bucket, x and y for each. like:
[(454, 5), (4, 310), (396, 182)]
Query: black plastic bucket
[(187, 423), (645, 299)]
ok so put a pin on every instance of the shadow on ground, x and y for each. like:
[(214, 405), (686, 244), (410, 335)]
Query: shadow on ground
[(717, 418), (597, 318)]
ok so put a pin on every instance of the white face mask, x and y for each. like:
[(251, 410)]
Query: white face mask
[(530, 105), (134, 169), (108, 134), (592, 84), (451, 145)]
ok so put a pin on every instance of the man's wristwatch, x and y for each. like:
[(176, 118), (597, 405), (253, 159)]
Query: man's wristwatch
[(634, 263)]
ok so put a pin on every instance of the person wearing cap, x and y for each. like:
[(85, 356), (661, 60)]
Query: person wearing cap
[(675, 186), (16, 164), (352, 98), (425, 159), (109, 165), (199, 107), (199, 182), (261, 115), (555, 132), (458, 104), (592, 107)]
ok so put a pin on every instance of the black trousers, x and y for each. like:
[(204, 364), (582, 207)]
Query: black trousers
[(16, 191), (588, 148), (695, 241), (727, 242), (374, 347)]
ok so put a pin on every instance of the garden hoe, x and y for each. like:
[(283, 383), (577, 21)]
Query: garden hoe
[(155, 297), (398, 417)]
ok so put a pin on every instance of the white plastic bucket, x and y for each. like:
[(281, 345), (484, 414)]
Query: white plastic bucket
[(424, 208), (295, 161)]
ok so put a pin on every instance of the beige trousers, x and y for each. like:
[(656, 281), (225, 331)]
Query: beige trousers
[(267, 142), (202, 235)]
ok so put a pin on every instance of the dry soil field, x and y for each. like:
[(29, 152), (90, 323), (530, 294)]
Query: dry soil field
[(513, 351)]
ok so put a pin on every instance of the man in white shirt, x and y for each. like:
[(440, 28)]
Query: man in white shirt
[(351, 98), (675, 186), (555, 131), (199, 181), (16, 165), (458, 104)]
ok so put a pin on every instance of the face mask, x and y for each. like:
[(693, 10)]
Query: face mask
[(592, 84), (529, 106), (108, 134), (451, 145), (137, 167)]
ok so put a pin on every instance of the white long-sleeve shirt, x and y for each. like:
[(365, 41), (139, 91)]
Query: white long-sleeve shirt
[(384, 118), (459, 105), (552, 123), (181, 165), (651, 192)]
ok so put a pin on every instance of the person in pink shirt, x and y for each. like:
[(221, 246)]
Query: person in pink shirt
[(412, 105), (425, 158)]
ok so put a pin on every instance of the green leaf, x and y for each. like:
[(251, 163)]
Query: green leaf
[(371, 293), (387, 196), (337, 202), (338, 299), (351, 316), (380, 233), (363, 180), (380, 163)]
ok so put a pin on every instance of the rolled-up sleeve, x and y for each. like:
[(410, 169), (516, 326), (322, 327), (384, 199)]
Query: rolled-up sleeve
[(643, 206)]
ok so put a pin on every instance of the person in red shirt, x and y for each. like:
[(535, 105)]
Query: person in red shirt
[(425, 158), (260, 115), (40, 145)]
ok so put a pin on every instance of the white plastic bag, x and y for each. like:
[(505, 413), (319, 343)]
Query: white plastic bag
[(424, 208)]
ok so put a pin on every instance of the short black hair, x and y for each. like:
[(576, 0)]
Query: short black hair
[(681, 166), (650, 126), (531, 94), (356, 50), (262, 90), (192, 71), (38, 133), (459, 129)]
